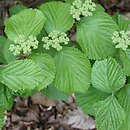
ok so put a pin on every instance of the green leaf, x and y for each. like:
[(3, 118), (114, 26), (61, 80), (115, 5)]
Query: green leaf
[(128, 80), (54, 93), (125, 57), (72, 70), (21, 76), (27, 22), (7, 53), (124, 99), (16, 9), (109, 114), (6, 97), (57, 16), (2, 41), (122, 23), (2, 111), (40, 48), (94, 35), (98, 6), (47, 65), (86, 101), (107, 75), (70, 1)]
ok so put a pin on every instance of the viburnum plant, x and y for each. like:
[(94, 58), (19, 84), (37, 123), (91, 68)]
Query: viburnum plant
[(39, 55)]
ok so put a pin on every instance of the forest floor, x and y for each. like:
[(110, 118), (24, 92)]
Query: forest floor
[(39, 112)]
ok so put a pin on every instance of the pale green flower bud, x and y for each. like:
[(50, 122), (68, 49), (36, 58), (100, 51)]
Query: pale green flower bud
[(90, 14), (23, 44), (127, 41), (122, 39), (12, 47), (123, 46), (61, 39), (55, 45), (31, 37), (17, 50), (63, 34), (128, 32), (116, 34), (50, 35), (93, 5), (79, 8), (26, 50), (15, 53), (46, 46), (54, 34), (59, 48), (54, 40)]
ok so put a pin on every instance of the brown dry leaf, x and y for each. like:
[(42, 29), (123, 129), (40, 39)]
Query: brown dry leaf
[(77, 119), (40, 99), (127, 15), (15, 117)]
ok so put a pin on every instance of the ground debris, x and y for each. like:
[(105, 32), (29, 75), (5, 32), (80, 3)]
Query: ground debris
[(41, 114)]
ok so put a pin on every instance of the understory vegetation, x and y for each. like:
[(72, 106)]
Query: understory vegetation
[(39, 53)]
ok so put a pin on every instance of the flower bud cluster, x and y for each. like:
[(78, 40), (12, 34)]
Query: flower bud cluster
[(82, 8), (54, 39), (122, 39), (24, 45)]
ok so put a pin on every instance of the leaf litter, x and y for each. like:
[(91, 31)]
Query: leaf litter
[(41, 113)]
